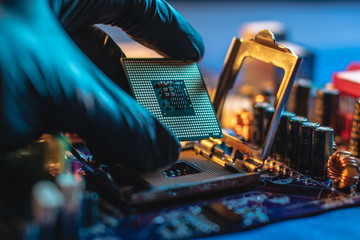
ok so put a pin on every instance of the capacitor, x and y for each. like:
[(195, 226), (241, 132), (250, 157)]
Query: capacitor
[(259, 118), (326, 108), (322, 149), (293, 147), (269, 113), (268, 117), (299, 97), (355, 131), (305, 158), (281, 139)]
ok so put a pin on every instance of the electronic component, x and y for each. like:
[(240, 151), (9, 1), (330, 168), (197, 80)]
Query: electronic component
[(281, 140), (221, 213), (181, 168), (174, 91), (269, 113), (299, 97), (259, 118), (173, 98), (355, 131), (322, 150), (245, 125), (293, 147), (259, 109), (285, 59), (343, 170), (348, 81), (326, 106), (306, 138)]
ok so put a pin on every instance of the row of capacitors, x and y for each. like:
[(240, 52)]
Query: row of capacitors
[(173, 93), (304, 146)]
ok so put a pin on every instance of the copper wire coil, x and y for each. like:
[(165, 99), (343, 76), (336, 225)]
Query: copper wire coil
[(343, 169)]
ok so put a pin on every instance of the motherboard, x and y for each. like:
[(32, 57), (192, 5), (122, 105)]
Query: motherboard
[(281, 193)]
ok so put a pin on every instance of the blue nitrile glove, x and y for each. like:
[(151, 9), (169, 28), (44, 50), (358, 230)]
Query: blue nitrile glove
[(48, 84)]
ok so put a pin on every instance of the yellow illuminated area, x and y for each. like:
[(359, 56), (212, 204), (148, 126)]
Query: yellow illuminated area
[(53, 153)]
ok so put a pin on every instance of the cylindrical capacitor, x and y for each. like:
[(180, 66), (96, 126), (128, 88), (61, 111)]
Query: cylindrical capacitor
[(326, 108), (299, 97), (268, 117), (305, 158), (293, 148), (355, 131), (269, 113), (322, 149), (259, 118), (302, 97), (281, 139)]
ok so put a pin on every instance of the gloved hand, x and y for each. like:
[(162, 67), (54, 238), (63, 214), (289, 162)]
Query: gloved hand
[(49, 85)]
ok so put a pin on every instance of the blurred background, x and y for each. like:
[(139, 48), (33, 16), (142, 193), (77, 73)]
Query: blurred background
[(328, 30)]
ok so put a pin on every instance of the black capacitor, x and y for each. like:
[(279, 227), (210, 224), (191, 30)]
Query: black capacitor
[(322, 149), (305, 157), (299, 97), (355, 131), (268, 117), (281, 139), (269, 113), (302, 97), (293, 147), (326, 106), (259, 118)]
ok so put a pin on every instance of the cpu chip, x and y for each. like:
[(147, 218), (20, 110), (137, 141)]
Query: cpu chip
[(174, 91)]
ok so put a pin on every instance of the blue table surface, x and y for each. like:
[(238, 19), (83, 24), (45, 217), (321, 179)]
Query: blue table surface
[(332, 30)]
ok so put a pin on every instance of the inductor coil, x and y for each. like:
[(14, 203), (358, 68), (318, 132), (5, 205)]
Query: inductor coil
[(343, 169)]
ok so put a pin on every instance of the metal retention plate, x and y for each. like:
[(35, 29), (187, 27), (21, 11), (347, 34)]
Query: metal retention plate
[(174, 91), (263, 48)]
